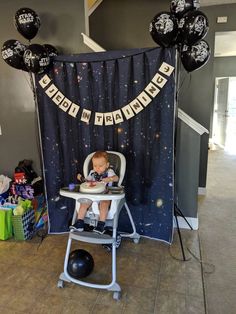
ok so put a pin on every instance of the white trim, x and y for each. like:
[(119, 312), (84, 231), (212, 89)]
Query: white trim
[(91, 43), (183, 225), (94, 7), (191, 122), (202, 191), (86, 17)]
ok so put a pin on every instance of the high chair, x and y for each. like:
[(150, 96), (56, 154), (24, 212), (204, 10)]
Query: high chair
[(117, 197)]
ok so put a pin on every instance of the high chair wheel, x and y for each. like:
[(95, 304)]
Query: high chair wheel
[(60, 284), (117, 295), (136, 241)]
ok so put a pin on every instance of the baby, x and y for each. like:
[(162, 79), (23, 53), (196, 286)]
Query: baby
[(100, 172)]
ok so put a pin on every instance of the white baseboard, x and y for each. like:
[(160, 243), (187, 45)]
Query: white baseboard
[(183, 224), (202, 191)]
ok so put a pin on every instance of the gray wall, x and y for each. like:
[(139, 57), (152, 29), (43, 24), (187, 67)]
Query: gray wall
[(187, 168), (197, 95), (61, 25), (124, 24)]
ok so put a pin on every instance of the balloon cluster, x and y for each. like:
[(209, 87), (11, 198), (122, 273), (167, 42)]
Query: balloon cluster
[(33, 58), (184, 26)]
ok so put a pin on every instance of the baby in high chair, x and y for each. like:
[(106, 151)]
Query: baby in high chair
[(103, 173)]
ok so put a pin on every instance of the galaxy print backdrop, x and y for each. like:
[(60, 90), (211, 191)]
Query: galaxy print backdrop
[(98, 84)]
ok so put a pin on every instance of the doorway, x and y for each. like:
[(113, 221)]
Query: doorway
[(224, 117)]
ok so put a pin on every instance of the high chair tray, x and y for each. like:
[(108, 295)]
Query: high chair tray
[(76, 194), (116, 189)]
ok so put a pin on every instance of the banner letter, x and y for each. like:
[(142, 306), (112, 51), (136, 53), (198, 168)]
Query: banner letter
[(128, 112), (45, 80), (58, 98), (166, 69), (85, 116), (117, 116), (52, 89), (65, 105), (136, 106), (159, 80), (98, 118), (108, 118), (152, 90), (144, 99), (74, 110)]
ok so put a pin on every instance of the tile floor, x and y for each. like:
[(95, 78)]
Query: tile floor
[(152, 275), (217, 233)]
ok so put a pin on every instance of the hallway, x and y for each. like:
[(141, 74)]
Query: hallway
[(217, 219)]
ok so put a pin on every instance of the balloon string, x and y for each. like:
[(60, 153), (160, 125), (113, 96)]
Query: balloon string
[(28, 82), (32, 85)]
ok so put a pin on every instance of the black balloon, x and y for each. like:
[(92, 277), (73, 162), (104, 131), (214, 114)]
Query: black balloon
[(36, 58), (80, 264), (180, 7), (52, 51), (196, 56), (193, 27), (163, 29), (27, 22), (12, 54)]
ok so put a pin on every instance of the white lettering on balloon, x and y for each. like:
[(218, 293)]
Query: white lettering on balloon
[(25, 18), (7, 53)]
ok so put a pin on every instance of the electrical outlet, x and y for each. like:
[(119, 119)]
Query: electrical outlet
[(222, 19)]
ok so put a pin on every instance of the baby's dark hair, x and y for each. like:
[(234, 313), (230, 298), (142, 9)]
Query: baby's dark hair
[(101, 154)]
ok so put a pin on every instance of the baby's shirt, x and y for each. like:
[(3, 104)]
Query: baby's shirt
[(94, 176)]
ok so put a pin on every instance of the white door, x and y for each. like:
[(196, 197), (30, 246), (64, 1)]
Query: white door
[(220, 111)]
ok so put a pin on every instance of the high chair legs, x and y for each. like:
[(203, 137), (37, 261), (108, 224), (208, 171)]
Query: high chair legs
[(90, 237), (134, 235)]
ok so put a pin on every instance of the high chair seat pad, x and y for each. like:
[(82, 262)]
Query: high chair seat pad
[(92, 187)]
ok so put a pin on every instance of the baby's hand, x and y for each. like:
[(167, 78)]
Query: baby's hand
[(106, 180), (80, 177)]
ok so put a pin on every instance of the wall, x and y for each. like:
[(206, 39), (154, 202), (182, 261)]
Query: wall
[(124, 24), (187, 168), (197, 96), (114, 25), (224, 66), (61, 25)]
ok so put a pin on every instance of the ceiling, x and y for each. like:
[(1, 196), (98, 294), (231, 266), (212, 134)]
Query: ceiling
[(215, 2)]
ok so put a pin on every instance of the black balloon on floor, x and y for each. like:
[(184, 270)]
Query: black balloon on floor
[(80, 264)]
